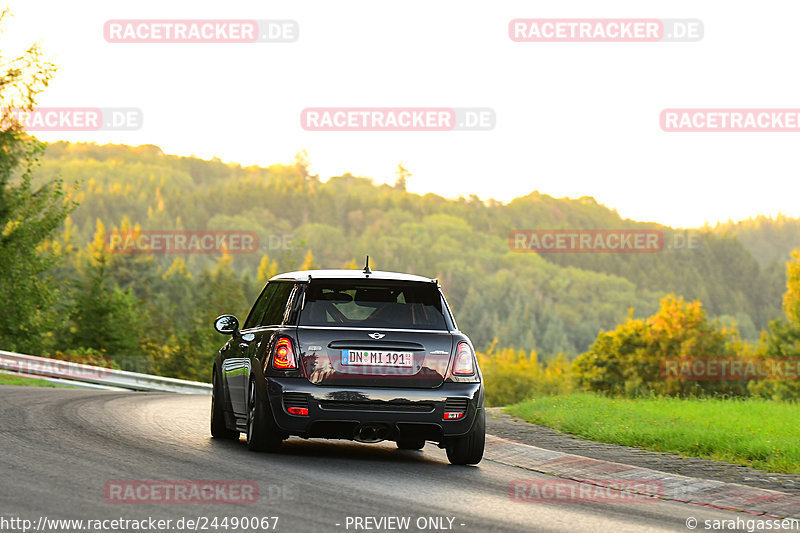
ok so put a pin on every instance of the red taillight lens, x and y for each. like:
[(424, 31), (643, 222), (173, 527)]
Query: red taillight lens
[(301, 411), (464, 365), (452, 415), (284, 355)]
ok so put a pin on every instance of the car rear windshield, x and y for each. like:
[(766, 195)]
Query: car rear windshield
[(373, 305)]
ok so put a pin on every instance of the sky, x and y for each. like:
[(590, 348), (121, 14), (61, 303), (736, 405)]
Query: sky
[(572, 118)]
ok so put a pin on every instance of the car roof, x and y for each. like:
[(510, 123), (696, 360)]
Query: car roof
[(307, 275)]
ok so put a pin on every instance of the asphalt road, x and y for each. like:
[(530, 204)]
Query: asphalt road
[(61, 447)]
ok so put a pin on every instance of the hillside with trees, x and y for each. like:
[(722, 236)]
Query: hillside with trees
[(159, 308)]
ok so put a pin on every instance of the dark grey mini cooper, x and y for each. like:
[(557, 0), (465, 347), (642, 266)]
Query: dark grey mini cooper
[(350, 354)]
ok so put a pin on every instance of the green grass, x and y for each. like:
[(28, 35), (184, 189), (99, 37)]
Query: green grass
[(9, 379), (759, 433)]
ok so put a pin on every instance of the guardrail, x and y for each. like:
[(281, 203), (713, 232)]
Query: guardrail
[(119, 379)]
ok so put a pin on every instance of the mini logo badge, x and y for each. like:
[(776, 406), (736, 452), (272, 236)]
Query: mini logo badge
[(377, 335)]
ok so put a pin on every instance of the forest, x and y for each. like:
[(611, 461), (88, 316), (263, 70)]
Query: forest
[(153, 311)]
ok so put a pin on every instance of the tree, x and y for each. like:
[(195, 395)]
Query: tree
[(783, 339), (510, 375), (188, 352), (302, 162), (401, 174), (629, 360), (551, 302), (105, 318), (308, 262), (266, 269), (29, 216), (131, 271), (513, 376), (791, 299)]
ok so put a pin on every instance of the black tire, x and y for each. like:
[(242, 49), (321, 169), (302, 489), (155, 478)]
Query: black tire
[(218, 428), (468, 450), (262, 434), (411, 444)]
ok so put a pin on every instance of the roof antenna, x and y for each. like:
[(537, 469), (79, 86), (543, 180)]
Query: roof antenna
[(367, 271)]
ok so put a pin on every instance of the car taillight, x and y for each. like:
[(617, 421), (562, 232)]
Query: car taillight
[(284, 355), (464, 364), (301, 411)]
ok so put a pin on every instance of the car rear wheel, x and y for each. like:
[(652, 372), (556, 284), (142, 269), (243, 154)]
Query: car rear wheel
[(411, 444), (468, 450), (262, 434), (218, 428)]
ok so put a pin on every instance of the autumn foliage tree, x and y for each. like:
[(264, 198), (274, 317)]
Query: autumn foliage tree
[(791, 298), (629, 360), (512, 376), (29, 215), (782, 341)]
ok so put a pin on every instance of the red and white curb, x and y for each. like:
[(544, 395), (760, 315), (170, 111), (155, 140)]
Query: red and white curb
[(709, 493)]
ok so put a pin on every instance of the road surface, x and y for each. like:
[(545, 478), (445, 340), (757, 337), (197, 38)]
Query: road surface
[(61, 448)]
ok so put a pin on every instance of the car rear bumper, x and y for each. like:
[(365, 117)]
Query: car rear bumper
[(341, 412)]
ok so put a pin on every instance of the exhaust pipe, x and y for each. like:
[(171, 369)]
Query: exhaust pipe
[(371, 434)]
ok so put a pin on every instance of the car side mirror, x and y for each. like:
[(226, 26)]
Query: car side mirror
[(227, 325)]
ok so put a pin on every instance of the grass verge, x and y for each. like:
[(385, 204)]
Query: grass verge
[(752, 432), (10, 379)]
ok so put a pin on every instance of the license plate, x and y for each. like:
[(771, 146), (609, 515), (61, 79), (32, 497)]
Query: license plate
[(376, 358)]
